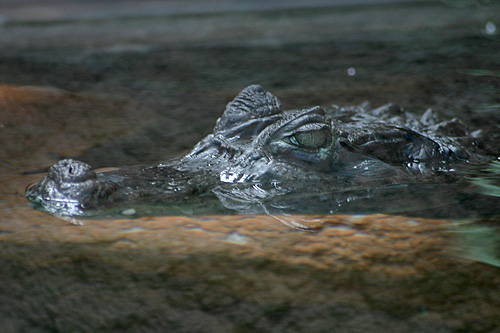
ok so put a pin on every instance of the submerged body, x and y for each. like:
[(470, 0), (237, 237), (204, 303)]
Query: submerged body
[(262, 159)]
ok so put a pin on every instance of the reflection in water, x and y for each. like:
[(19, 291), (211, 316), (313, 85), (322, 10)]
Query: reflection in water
[(489, 182), (480, 240)]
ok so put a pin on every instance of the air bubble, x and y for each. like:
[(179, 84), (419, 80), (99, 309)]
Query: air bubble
[(490, 28)]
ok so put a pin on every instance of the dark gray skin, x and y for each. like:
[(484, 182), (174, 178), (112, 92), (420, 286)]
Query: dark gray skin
[(261, 156)]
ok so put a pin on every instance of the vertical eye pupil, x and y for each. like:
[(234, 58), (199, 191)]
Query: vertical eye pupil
[(310, 139)]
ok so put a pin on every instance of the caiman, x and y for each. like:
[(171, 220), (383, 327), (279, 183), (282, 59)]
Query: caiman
[(261, 159)]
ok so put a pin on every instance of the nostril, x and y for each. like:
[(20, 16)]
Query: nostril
[(71, 171)]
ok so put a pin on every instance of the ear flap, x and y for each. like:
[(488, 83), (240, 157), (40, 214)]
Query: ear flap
[(252, 102)]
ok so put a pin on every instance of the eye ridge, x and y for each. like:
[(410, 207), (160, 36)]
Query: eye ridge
[(310, 139)]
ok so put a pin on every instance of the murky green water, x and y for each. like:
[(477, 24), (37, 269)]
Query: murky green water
[(130, 90)]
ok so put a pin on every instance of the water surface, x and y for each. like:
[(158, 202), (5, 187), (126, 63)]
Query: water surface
[(117, 91)]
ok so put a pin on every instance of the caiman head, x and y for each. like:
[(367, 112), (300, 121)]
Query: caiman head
[(255, 153), (254, 143)]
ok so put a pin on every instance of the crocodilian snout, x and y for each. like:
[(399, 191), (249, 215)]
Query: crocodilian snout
[(67, 189)]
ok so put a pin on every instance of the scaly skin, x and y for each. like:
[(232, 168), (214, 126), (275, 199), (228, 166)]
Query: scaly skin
[(259, 153)]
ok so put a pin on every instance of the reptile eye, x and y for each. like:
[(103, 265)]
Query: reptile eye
[(311, 139)]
